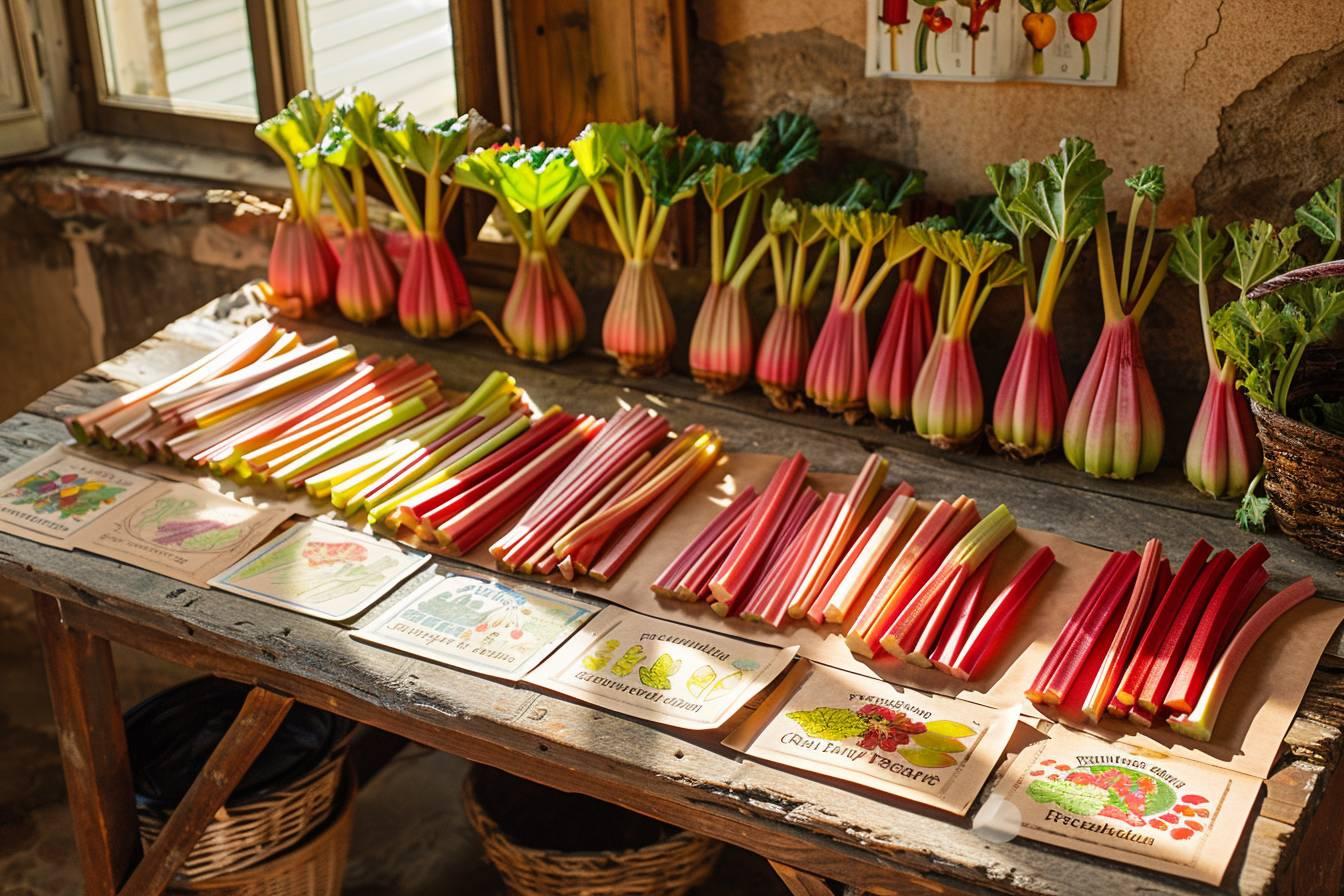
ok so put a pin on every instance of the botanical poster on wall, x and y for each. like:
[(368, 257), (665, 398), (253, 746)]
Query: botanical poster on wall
[(660, 671), (57, 493), (921, 747), (180, 531), (1147, 809), (322, 570), (1049, 41), (478, 623)]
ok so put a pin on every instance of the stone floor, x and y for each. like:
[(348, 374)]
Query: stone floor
[(410, 837)]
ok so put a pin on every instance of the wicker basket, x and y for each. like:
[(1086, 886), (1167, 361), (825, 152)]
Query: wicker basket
[(668, 867), (240, 836), (316, 867), (1304, 466)]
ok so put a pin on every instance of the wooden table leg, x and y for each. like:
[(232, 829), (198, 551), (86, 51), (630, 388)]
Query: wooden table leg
[(92, 740), (801, 883), (251, 731)]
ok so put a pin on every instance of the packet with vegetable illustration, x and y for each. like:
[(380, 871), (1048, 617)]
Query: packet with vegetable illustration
[(1110, 801), (921, 747), (660, 671)]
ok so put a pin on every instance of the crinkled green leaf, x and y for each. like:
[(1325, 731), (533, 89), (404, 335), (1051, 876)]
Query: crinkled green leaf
[(1009, 181), (869, 228), (723, 184), (1063, 194), (829, 722), (1323, 213), (1149, 183), (676, 169), (429, 148), (1198, 251), (621, 146), (528, 178), (300, 126), (1257, 252), (784, 141)]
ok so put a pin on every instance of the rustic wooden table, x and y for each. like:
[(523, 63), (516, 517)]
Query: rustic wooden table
[(811, 830)]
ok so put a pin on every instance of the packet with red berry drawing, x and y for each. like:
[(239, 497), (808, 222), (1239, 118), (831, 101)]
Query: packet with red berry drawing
[(922, 747), (1108, 800), (478, 622)]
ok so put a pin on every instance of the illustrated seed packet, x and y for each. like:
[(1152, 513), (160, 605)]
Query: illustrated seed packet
[(1147, 809), (921, 747), (660, 671), (178, 530), (478, 623), (321, 570), (57, 493)]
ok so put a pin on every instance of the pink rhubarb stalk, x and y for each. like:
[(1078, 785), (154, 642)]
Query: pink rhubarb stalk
[(902, 347), (948, 401), (741, 565), (1114, 424), (1131, 625), (781, 362), (666, 582), (995, 624)]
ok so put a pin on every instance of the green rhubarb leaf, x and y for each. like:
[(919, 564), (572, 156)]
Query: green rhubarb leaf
[(1258, 252), (1009, 181), (1198, 252), (975, 214), (618, 146), (868, 228), (784, 141), (528, 178), (1149, 183), (829, 722), (338, 148), (300, 126), (659, 675), (1078, 799), (427, 149), (677, 167), (1063, 194), (723, 185), (1323, 213)]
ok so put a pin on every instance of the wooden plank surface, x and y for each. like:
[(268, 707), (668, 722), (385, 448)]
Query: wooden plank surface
[(801, 822)]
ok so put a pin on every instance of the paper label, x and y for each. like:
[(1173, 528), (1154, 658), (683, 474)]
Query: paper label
[(660, 671), (925, 748), (321, 570), (479, 624), (58, 493), (178, 530), (1001, 51), (1147, 809)]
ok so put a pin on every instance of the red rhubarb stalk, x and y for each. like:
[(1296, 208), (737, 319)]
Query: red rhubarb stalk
[(741, 565), (774, 600), (1228, 604), (1118, 653), (1171, 650), (996, 622), (800, 511), (942, 636), (667, 580)]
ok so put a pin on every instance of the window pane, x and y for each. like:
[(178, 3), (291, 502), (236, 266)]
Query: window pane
[(187, 55), (399, 50)]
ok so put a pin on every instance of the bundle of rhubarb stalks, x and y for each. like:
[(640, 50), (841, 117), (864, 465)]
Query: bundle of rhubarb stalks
[(379, 436), (790, 554), (1151, 646)]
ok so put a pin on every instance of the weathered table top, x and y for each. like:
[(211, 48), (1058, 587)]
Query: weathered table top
[(1293, 842)]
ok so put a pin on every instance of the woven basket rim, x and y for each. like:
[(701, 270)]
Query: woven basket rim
[(488, 827), (1301, 428)]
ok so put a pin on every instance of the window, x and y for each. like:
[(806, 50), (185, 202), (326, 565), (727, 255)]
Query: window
[(22, 126), (206, 71)]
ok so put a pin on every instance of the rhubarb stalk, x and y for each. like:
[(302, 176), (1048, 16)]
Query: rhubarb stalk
[(537, 191), (1114, 424), (721, 347), (433, 300), (1062, 198), (741, 565), (666, 582), (1198, 722), (303, 266), (996, 622), (1118, 653), (637, 172), (781, 362), (948, 401)]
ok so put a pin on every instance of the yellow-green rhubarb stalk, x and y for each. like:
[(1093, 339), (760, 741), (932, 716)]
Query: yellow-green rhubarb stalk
[(1114, 426), (1061, 197), (303, 266), (721, 349), (538, 189)]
